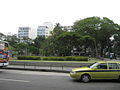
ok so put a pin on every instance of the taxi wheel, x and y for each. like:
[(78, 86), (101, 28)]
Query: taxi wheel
[(85, 78)]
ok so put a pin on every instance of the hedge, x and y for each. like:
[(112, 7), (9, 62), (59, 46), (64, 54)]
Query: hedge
[(29, 58), (67, 58)]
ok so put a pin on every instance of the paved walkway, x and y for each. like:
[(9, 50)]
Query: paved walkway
[(46, 68), (41, 68)]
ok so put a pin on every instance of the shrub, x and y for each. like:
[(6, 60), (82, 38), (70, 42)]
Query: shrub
[(76, 58), (67, 58), (81, 59), (29, 58), (53, 58)]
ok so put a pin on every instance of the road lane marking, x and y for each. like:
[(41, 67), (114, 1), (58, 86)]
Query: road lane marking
[(15, 80)]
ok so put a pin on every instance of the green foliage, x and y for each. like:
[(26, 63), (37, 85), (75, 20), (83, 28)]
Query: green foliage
[(57, 30), (67, 41), (38, 44), (54, 58), (67, 58), (76, 58), (89, 36), (101, 29), (29, 58)]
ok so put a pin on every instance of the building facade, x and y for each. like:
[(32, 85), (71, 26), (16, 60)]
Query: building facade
[(67, 28), (42, 31), (45, 30), (26, 32)]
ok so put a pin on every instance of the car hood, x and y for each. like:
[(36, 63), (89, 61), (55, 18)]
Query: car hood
[(81, 69)]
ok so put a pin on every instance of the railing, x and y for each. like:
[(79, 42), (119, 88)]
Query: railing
[(60, 66)]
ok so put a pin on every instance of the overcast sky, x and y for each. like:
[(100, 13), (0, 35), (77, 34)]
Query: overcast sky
[(18, 13)]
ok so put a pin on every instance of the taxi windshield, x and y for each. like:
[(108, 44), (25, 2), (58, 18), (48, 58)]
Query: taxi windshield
[(93, 65)]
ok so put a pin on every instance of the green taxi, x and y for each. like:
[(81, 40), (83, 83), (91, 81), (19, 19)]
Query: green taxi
[(97, 70)]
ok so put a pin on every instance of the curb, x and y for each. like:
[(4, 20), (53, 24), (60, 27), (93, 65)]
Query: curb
[(43, 70)]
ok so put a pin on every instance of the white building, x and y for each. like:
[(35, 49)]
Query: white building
[(26, 32), (42, 31), (49, 25), (67, 28), (45, 30)]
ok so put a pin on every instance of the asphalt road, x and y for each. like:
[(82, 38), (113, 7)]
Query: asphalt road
[(34, 80)]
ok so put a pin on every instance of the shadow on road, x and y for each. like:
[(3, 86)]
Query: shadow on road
[(98, 81)]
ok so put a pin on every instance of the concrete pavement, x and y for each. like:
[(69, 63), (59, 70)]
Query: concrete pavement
[(36, 80), (40, 68), (65, 67)]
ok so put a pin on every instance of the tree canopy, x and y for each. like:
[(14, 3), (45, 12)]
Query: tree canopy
[(89, 36)]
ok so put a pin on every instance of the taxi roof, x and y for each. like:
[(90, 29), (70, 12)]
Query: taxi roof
[(109, 61)]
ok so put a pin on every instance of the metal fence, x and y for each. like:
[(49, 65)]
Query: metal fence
[(61, 66)]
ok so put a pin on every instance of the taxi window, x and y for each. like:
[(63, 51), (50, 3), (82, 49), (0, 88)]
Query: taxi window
[(113, 65), (119, 66), (102, 66)]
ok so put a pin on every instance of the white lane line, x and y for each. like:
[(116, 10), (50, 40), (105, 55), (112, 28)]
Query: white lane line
[(3, 79)]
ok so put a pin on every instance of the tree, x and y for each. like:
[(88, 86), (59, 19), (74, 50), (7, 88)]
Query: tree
[(108, 29), (116, 43), (100, 29), (37, 43), (32, 50), (88, 45), (67, 42), (12, 39), (64, 43), (22, 48), (57, 30), (50, 45)]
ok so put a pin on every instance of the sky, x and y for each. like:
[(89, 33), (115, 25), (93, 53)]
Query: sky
[(33, 13)]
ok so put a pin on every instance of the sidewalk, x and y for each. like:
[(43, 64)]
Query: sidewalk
[(40, 68), (47, 66)]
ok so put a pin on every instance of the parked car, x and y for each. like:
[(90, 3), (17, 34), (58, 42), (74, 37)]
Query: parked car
[(97, 70)]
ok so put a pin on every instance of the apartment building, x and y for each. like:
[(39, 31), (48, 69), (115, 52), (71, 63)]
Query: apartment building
[(26, 32), (45, 30), (67, 28), (42, 31)]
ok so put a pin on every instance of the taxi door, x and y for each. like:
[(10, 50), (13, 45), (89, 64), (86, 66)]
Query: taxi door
[(100, 72), (113, 71)]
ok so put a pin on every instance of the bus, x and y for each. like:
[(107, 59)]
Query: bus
[(4, 54)]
